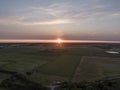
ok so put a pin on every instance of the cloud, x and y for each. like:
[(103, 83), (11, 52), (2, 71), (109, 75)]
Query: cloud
[(61, 13), (21, 21), (51, 15), (8, 20), (78, 11), (52, 22), (55, 10)]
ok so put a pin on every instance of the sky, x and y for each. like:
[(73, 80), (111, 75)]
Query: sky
[(66, 19)]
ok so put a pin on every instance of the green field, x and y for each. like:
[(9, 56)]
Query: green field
[(50, 62), (93, 68)]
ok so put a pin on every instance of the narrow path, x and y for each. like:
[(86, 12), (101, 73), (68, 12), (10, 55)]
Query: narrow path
[(70, 80), (76, 74)]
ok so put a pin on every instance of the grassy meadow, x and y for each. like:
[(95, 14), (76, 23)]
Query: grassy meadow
[(52, 62), (95, 68)]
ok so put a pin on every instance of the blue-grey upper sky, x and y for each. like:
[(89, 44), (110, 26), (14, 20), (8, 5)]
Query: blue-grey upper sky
[(68, 19)]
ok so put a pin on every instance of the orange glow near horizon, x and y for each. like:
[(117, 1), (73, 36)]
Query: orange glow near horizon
[(59, 40), (54, 41)]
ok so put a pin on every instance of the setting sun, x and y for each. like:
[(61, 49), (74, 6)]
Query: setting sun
[(59, 40)]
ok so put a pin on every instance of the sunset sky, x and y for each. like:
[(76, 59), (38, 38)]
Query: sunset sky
[(66, 19)]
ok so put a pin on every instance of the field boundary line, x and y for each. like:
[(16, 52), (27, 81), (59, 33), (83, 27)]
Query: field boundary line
[(77, 69), (70, 79)]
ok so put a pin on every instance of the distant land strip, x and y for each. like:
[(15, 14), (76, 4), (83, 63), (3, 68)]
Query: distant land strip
[(53, 41)]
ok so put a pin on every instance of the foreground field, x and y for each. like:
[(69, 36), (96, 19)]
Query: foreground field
[(93, 68), (62, 69), (46, 63)]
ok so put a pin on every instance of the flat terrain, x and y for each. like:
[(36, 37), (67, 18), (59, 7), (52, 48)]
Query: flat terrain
[(51, 62), (93, 68)]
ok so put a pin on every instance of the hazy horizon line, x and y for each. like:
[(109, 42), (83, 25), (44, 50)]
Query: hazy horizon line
[(54, 41)]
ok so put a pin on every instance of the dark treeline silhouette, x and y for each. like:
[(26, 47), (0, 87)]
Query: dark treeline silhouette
[(24, 84), (18, 81), (104, 84)]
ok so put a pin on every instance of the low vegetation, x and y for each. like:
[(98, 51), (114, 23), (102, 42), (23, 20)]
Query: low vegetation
[(46, 63)]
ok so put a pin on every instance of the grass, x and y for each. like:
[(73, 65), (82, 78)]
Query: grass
[(92, 68), (52, 62), (62, 66), (24, 66)]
